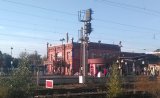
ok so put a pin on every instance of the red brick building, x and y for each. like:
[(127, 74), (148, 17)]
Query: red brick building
[(99, 55)]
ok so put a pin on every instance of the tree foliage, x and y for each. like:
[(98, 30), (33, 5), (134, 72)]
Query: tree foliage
[(114, 85), (19, 84), (153, 58), (35, 58), (5, 63), (157, 50)]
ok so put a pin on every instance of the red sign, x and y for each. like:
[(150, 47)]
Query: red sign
[(49, 83)]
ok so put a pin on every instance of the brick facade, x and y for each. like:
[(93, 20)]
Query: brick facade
[(70, 54)]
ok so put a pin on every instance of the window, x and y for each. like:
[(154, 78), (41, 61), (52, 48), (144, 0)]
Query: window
[(51, 57), (68, 55)]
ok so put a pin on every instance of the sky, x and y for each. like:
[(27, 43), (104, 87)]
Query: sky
[(27, 25)]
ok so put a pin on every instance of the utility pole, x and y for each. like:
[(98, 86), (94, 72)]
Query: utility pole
[(85, 32)]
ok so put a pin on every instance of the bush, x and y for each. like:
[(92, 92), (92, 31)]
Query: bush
[(114, 85), (19, 84)]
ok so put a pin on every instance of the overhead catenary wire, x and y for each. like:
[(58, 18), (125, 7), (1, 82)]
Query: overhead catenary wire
[(128, 25), (34, 29), (104, 21), (68, 13), (39, 7), (132, 7), (41, 38), (100, 20), (28, 37), (37, 16)]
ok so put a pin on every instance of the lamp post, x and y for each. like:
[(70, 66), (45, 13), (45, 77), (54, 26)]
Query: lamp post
[(120, 65), (134, 69), (126, 68), (11, 58), (62, 55)]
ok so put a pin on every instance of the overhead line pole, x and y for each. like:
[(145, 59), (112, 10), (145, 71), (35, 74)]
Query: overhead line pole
[(85, 31)]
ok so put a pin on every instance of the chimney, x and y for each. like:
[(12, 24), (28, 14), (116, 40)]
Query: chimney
[(67, 37)]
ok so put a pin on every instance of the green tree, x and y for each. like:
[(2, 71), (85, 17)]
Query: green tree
[(157, 50), (114, 85), (20, 82), (1, 61), (4, 87), (6, 63), (35, 58), (153, 58)]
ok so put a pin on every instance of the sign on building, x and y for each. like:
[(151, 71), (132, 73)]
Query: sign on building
[(49, 83)]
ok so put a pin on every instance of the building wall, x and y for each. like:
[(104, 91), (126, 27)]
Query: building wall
[(72, 55)]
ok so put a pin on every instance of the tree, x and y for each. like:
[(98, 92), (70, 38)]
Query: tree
[(19, 84), (157, 50), (6, 62), (35, 58), (114, 85), (44, 58), (153, 58), (1, 61), (4, 87), (15, 62)]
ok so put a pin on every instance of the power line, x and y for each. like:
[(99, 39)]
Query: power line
[(39, 30), (13, 35), (65, 13), (101, 20), (134, 6), (21, 36), (126, 30), (63, 33), (28, 28), (32, 29), (37, 16), (43, 8), (128, 25), (124, 5)]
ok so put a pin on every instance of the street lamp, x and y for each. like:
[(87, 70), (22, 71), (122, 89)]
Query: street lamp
[(143, 62), (62, 55), (11, 51), (120, 65), (133, 66), (11, 58)]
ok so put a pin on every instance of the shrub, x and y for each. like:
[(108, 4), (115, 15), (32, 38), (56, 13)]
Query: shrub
[(114, 85)]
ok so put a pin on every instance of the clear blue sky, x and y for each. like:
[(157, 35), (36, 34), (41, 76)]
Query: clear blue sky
[(30, 24)]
